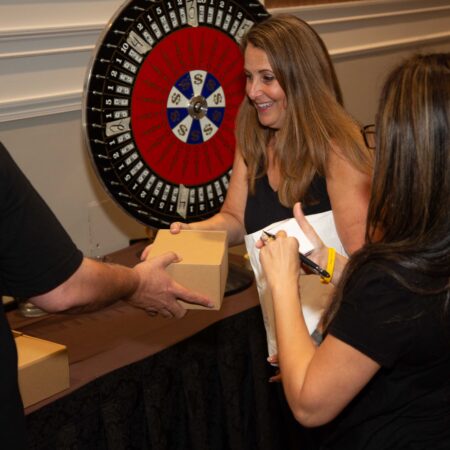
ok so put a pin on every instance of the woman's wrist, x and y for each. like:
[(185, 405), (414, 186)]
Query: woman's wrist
[(285, 287), (321, 256)]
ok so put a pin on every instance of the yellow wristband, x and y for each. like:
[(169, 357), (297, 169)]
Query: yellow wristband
[(330, 265)]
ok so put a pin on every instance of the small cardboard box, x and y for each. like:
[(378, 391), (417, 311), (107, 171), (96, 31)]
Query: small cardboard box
[(204, 265), (43, 368)]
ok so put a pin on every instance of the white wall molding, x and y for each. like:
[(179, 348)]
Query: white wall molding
[(47, 52), (14, 34), (46, 62), (388, 46), (30, 107), (36, 14), (384, 15), (23, 43), (361, 10)]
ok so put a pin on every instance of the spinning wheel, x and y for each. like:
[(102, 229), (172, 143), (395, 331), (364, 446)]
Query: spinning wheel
[(160, 102)]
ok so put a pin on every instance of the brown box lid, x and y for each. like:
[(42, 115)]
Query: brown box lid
[(43, 368)]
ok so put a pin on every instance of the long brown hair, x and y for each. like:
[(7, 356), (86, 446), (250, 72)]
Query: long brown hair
[(315, 116), (408, 224)]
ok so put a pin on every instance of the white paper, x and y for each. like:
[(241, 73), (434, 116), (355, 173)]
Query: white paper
[(291, 227), (315, 295)]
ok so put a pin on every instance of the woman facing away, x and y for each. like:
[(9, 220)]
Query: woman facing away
[(381, 377), (295, 142)]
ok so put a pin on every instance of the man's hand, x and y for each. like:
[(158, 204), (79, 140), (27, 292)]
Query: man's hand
[(157, 292)]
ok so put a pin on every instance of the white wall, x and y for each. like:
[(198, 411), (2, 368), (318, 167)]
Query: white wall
[(367, 38), (45, 50)]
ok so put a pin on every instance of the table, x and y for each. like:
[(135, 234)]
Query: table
[(138, 382)]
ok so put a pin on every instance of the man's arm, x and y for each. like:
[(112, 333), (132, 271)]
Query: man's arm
[(96, 285)]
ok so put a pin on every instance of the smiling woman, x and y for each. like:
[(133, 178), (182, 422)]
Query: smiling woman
[(296, 139)]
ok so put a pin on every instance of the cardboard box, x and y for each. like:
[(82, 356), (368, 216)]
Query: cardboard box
[(204, 265), (43, 368)]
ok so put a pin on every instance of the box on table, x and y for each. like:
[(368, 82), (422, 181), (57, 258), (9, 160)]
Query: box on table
[(43, 368), (204, 265)]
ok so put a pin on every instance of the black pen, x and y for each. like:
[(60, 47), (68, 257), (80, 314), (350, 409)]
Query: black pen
[(305, 260)]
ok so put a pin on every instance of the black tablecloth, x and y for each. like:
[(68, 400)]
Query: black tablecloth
[(208, 392)]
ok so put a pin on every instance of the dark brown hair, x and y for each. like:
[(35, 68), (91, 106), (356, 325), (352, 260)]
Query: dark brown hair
[(408, 224)]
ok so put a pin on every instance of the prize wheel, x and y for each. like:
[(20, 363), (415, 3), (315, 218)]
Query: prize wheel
[(160, 102)]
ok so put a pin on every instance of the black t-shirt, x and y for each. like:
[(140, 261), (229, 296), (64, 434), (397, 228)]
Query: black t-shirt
[(407, 403), (264, 208), (36, 255)]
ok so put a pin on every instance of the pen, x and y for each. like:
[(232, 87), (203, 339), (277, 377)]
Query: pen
[(305, 260)]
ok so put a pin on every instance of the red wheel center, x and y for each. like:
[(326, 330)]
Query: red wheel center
[(170, 157)]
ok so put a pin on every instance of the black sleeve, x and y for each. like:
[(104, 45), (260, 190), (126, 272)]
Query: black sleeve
[(374, 316), (36, 253)]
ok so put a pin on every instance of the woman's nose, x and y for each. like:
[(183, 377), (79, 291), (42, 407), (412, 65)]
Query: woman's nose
[(253, 89)]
